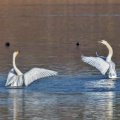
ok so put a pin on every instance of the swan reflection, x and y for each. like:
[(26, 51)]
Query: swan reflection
[(16, 105), (95, 104), (100, 103)]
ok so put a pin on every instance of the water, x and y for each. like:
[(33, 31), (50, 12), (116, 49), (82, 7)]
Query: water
[(46, 34)]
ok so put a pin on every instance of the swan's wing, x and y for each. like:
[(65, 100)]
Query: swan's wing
[(37, 73), (11, 74), (97, 62), (14, 80)]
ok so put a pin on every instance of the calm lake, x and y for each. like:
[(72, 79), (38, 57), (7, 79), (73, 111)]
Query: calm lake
[(46, 34)]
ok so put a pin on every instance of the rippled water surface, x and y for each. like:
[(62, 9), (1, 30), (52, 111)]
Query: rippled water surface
[(46, 34)]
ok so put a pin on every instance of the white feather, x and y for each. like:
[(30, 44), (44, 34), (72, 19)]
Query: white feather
[(97, 62), (37, 73), (15, 80)]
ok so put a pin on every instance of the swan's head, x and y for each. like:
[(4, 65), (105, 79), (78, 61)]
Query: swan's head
[(103, 42), (16, 53)]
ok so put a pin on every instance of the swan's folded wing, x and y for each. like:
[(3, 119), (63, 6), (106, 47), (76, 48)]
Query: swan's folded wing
[(97, 62), (37, 73), (11, 74), (14, 80), (113, 66)]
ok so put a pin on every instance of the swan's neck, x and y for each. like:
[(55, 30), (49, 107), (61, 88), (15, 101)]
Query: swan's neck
[(110, 53), (15, 68)]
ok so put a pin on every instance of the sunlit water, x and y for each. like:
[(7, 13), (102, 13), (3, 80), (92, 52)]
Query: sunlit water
[(46, 35)]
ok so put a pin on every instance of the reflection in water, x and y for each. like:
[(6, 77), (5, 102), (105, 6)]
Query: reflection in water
[(43, 106), (98, 108), (103, 105), (107, 84), (16, 108)]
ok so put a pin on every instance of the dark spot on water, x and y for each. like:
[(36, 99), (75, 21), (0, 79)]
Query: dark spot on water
[(77, 44), (7, 44)]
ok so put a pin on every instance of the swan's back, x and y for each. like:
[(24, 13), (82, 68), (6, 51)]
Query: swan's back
[(37, 73)]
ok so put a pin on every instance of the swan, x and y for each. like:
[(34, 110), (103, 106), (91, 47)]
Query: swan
[(17, 79), (103, 64)]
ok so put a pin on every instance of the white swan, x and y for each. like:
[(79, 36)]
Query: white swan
[(103, 64), (17, 79)]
